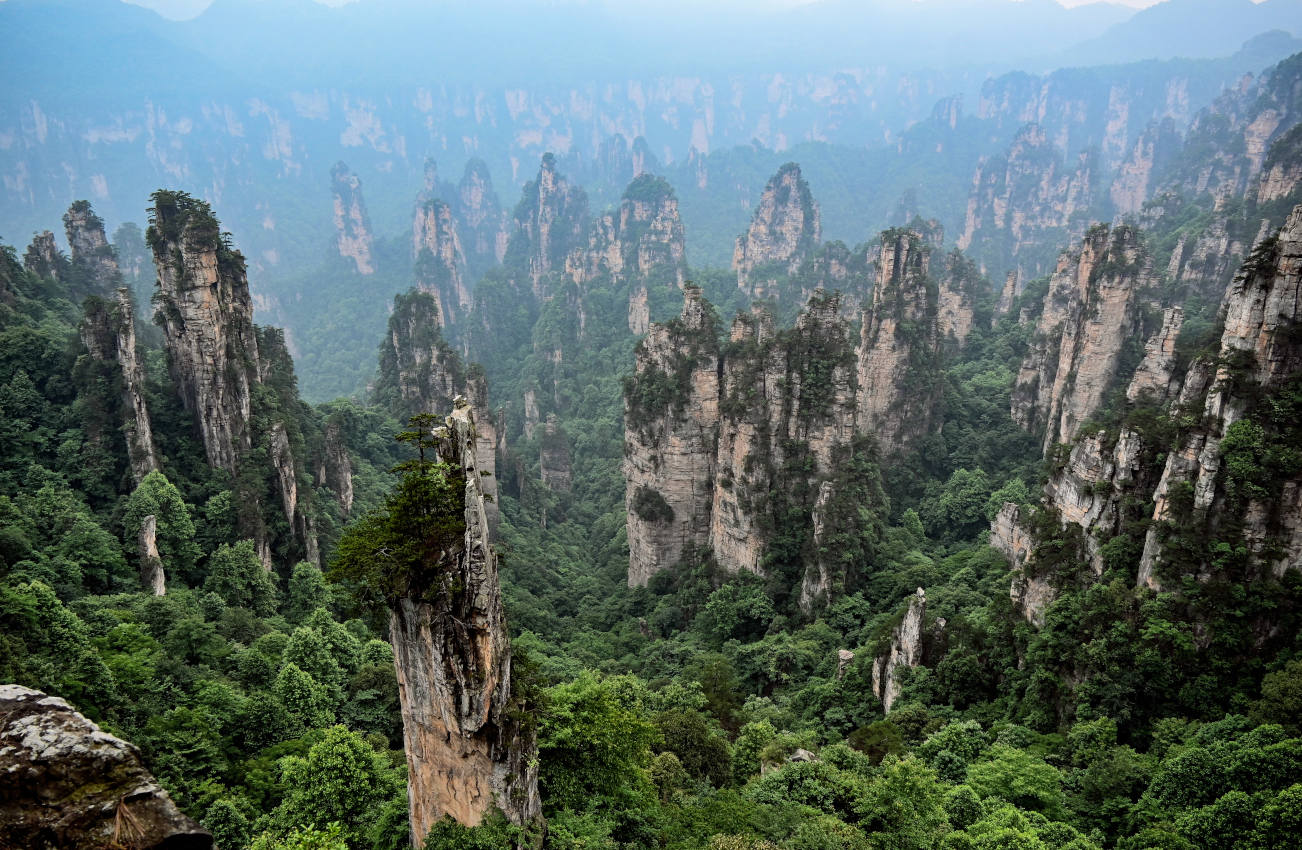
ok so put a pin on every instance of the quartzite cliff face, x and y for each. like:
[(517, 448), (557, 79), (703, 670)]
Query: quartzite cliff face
[(69, 784), (785, 229), (214, 355), (898, 364), (1089, 316), (1259, 353), (550, 222), (439, 261), (467, 752), (671, 421), (109, 334)]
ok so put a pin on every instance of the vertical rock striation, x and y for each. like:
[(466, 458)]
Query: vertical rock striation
[(643, 238), (908, 647), (785, 229), (898, 356), (1088, 318), (152, 577), (216, 358), (109, 334), (467, 749), (671, 421), (481, 220), (550, 222), (1259, 352), (421, 373), (353, 238), (439, 262)]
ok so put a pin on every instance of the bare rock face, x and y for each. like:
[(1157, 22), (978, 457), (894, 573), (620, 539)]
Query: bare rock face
[(1007, 295), (353, 238), (1259, 351), (1135, 177), (550, 222), (1281, 174), (908, 648), (207, 320), (215, 353), (785, 229), (1089, 314), (336, 469), (1010, 536), (109, 334), (69, 785), (554, 460), (644, 237), (152, 576), (720, 443), (669, 439), (960, 285), (1156, 379), (467, 752), (1088, 491), (639, 311), (94, 263), (900, 335), (1023, 196), (43, 257), (440, 263)]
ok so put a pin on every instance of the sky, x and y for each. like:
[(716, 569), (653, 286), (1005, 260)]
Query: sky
[(183, 9)]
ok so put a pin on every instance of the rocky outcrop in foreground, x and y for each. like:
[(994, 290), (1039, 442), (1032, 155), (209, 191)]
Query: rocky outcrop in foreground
[(467, 749), (65, 784)]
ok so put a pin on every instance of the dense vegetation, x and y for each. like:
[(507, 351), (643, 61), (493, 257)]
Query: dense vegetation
[(706, 710)]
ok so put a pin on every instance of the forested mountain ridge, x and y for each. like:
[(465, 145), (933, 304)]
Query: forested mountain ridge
[(888, 544)]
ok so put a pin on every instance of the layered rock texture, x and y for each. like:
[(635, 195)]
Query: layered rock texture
[(1259, 355), (109, 334), (735, 446), (785, 229), (217, 357), (898, 368), (353, 238), (152, 577), (671, 420), (1186, 478), (467, 750), (1088, 319), (68, 784), (642, 238)]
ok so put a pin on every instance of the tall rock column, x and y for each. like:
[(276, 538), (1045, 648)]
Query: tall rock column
[(467, 751), (207, 319), (440, 263), (109, 333), (1089, 317), (785, 229), (94, 264), (671, 420), (550, 222), (353, 238), (898, 373)]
